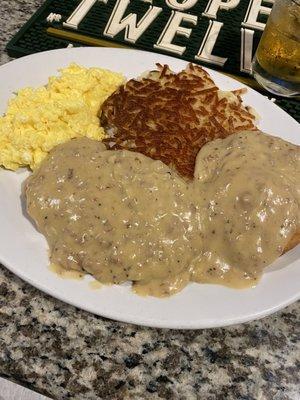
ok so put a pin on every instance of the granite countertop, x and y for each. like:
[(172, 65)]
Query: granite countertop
[(67, 353)]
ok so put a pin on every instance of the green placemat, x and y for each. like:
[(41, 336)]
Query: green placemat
[(219, 34)]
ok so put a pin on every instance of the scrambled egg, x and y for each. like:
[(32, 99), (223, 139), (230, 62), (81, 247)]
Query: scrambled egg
[(39, 119)]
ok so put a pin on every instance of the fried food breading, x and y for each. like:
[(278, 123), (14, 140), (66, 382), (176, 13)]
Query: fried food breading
[(169, 116)]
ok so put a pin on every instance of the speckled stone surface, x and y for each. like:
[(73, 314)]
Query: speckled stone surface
[(66, 353)]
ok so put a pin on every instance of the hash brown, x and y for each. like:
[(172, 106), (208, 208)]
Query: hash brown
[(169, 116)]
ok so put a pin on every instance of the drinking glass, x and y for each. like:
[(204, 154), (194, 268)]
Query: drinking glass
[(276, 64)]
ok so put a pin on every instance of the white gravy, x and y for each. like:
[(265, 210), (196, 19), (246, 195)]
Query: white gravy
[(121, 216)]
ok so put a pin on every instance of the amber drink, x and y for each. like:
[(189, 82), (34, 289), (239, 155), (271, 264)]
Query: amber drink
[(276, 64)]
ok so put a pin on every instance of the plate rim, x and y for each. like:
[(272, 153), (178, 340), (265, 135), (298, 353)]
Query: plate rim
[(148, 323)]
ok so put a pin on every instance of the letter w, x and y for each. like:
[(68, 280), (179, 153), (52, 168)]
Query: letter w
[(133, 29)]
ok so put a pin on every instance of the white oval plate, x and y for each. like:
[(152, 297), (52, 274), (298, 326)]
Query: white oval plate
[(24, 251)]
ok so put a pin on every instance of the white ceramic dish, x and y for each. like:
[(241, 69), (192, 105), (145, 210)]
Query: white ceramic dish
[(24, 251)]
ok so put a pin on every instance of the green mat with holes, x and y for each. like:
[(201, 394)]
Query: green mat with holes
[(218, 34)]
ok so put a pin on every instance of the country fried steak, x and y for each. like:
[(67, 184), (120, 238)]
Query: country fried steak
[(170, 116)]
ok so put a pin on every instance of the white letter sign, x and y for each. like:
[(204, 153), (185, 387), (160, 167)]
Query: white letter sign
[(255, 8), (80, 12), (185, 5), (133, 29), (246, 50), (214, 6), (205, 51), (173, 28)]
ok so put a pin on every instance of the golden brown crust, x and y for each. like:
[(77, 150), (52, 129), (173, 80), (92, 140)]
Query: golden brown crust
[(293, 242), (169, 116)]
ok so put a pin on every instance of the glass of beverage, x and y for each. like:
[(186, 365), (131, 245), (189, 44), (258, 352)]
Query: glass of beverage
[(276, 64)]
